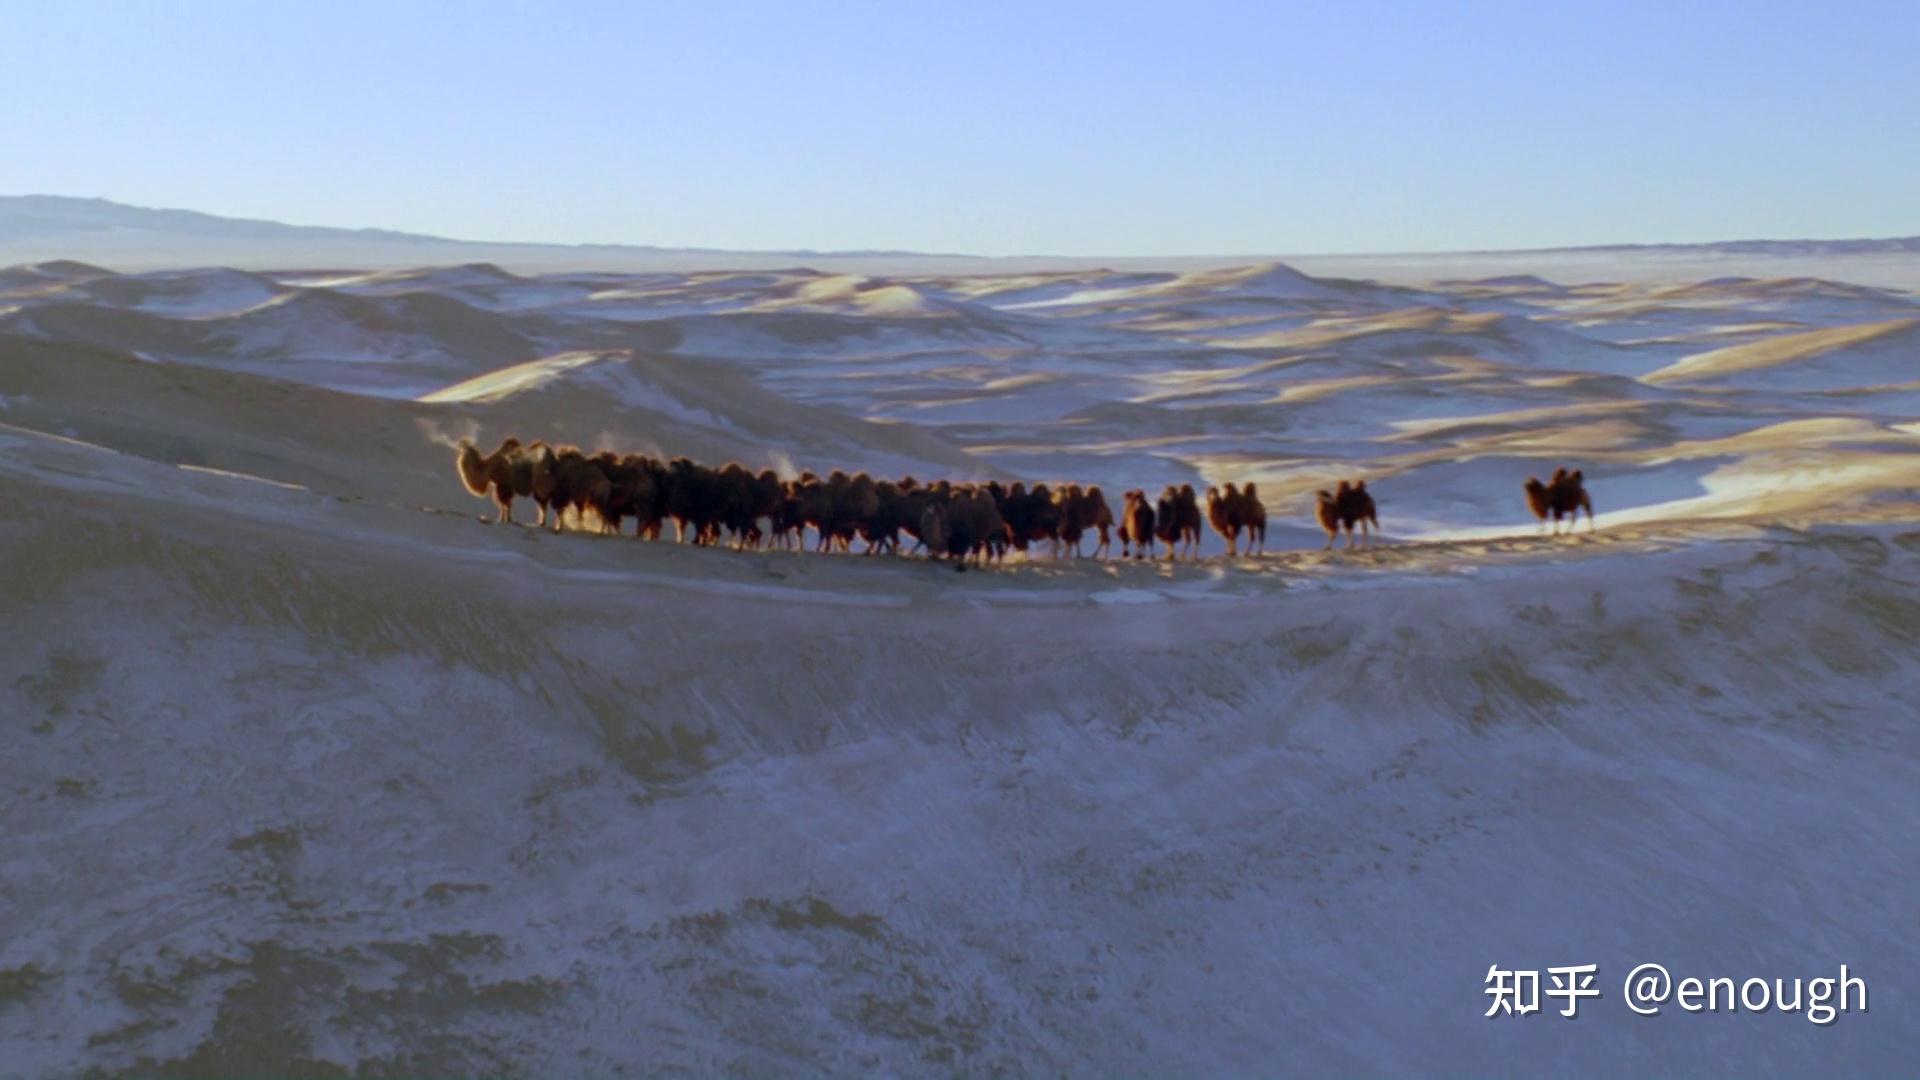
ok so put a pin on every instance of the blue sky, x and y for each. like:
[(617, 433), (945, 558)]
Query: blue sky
[(1015, 128)]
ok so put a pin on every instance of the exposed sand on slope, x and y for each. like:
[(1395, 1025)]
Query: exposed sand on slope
[(1901, 336)]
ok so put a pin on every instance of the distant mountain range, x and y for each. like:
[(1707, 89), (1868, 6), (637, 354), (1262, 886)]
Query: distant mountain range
[(36, 228), (1893, 245)]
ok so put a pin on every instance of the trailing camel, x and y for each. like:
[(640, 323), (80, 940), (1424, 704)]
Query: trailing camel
[(1349, 509), (1564, 496)]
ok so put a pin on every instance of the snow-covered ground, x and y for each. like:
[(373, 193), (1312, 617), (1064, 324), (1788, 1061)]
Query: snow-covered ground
[(311, 772)]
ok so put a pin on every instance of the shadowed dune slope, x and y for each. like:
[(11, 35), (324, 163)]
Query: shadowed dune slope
[(296, 815)]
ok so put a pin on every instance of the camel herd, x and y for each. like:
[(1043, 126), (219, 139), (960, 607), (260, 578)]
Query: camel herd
[(963, 521)]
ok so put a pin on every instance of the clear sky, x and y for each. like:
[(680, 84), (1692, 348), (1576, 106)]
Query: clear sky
[(1045, 126)]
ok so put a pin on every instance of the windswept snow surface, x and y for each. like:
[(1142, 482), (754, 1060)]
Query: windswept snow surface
[(310, 772)]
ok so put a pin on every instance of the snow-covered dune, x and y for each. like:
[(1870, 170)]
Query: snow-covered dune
[(665, 405), (311, 771), (194, 294), (1120, 378), (301, 785), (396, 345), (1115, 377), (56, 271), (397, 451)]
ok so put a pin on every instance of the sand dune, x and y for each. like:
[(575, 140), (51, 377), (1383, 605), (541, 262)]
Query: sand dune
[(312, 772), (857, 295), (35, 275), (388, 345), (196, 294), (664, 405), (1115, 377), (1843, 357), (311, 784), (468, 276), (391, 451), (1264, 281)]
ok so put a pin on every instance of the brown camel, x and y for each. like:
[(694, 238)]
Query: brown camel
[(1222, 518), (1136, 526), (1250, 514), (1187, 512), (1349, 508), (1166, 521), (1563, 497), (487, 475)]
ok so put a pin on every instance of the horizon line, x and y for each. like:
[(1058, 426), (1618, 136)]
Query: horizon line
[(402, 234)]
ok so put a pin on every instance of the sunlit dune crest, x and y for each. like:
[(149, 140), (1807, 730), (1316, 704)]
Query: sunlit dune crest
[(508, 381), (1896, 351)]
